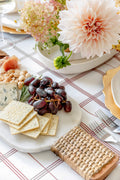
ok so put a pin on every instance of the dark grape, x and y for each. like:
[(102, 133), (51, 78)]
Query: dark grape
[(55, 85), (61, 92), (28, 81), (49, 88), (32, 89), (49, 92), (62, 87), (42, 111), (55, 111), (60, 106), (31, 102), (39, 104), (67, 106), (53, 108), (49, 79), (35, 82), (40, 92), (44, 82), (58, 97), (30, 99)]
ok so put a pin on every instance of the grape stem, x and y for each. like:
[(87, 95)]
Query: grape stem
[(52, 100)]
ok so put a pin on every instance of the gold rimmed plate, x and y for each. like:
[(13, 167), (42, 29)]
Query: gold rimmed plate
[(109, 99), (13, 31)]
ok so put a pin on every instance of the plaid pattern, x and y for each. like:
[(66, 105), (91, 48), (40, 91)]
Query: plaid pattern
[(85, 88)]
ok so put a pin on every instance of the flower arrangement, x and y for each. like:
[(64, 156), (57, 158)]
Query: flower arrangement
[(88, 27)]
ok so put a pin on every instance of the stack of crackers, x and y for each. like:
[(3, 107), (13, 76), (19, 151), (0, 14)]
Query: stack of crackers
[(22, 118)]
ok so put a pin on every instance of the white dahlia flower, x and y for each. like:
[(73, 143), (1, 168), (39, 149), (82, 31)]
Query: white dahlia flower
[(90, 27)]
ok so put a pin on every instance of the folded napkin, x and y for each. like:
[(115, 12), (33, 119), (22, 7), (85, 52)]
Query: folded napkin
[(12, 19), (19, 5)]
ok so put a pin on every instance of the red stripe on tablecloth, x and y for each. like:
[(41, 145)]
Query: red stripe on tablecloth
[(88, 112), (99, 71), (87, 129), (88, 94), (9, 153), (54, 164), (50, 168), (88, 100), (13, 168), (42, 65), (42, 165)]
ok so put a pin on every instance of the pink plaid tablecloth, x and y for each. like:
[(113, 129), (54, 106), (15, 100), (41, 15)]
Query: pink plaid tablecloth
[(85, 88)]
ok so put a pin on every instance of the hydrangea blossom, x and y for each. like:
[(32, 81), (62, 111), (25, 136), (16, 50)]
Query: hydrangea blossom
[(41, 19)]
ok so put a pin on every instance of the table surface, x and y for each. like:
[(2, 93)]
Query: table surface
[(85, 88)]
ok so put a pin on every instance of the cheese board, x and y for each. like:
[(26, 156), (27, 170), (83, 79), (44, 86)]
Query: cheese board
[(22, 124)]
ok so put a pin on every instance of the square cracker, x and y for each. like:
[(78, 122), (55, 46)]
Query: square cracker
[(15, 112), (33, 124), (45, 130), (43, 121), (53, 126), (26, 120)]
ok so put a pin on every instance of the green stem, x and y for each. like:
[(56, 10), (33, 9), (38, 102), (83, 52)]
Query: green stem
[(62, 50), (69, 55)]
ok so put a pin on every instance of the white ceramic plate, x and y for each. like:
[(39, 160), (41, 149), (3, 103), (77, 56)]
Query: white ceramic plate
[(78, 65), (67, 121), (115, 88)]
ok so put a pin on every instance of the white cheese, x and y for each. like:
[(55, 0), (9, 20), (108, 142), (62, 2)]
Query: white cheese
[(8, 92)]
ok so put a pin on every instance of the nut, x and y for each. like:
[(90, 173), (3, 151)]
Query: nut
[(8, 79), (27, 75), (20, 85), (16, 74), (23, 72), (21, 78)]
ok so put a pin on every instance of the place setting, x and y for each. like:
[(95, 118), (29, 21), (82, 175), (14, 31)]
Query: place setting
[(59, 107), (11, 20)]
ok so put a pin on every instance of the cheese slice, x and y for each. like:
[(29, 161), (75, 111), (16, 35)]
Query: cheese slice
[(8, 92)]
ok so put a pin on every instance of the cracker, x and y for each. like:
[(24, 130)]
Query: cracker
[(53, 126), (43, 121), (33, 124), (45, 130), (33, 134), (15, 112), (26, 120)]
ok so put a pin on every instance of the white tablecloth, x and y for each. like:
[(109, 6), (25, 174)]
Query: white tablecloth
[(85, 88)]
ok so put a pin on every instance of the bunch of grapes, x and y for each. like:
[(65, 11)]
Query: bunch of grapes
[(47, 96)]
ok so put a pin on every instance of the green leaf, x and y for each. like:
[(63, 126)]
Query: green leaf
[(24, 93)]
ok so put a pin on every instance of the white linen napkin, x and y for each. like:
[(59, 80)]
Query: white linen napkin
[(11, 20), (19, 5)]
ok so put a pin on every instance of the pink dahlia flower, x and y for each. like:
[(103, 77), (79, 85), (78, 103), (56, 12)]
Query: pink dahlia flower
[(90, 27)]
